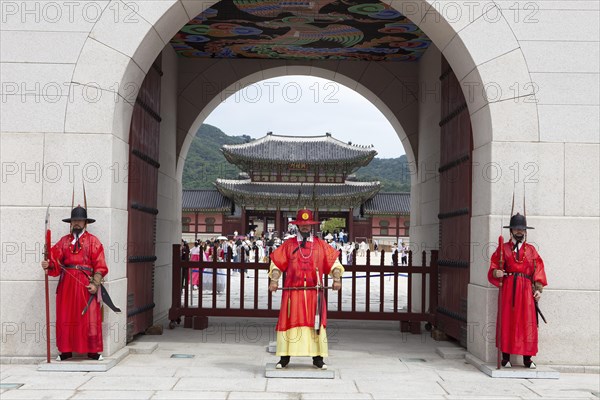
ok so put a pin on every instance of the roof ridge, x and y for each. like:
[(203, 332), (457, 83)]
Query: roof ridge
[(300, 138), (305, 184)]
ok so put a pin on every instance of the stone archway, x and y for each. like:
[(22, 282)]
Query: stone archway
[(482, 50)]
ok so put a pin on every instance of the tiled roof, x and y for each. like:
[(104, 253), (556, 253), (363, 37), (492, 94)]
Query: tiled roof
[(309, 149), (208, 200), (291, 190), (388, 203)]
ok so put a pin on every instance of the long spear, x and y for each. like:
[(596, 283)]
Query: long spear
[(499, 319), (47, 247), (501, 264)]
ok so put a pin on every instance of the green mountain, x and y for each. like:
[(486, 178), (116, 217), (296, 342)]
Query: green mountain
[(205, 163), (393, 173)]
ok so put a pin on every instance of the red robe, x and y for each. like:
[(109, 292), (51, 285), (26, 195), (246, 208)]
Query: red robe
[(519, 327), (300, 272), (75, 332)]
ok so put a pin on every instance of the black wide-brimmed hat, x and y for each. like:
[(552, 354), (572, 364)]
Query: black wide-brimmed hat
[(79, 213), (518, 221)]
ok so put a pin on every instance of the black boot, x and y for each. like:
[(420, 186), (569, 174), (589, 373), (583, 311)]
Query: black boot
[(318, 362), (283, 362), (528, 362), (506, 360), (95, 356), (64, 356)]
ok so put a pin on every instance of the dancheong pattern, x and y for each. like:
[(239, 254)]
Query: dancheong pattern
[(305, 30)]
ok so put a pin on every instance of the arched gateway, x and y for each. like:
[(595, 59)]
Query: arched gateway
[(461, 184)]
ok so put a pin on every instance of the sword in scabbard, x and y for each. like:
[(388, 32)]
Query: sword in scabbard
[(538, 312)]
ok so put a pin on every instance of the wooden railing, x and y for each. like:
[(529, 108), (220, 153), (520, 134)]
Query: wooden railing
[(388, 292)]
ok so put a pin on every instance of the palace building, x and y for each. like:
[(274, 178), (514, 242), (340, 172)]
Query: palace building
[(284, 173)]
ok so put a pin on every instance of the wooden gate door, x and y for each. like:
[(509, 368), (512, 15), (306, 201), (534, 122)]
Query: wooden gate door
[(142, 201), (455, 208)]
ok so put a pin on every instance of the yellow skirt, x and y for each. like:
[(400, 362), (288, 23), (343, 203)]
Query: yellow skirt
[(302, 342)]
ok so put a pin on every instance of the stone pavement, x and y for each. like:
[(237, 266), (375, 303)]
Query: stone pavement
[(370, 360)]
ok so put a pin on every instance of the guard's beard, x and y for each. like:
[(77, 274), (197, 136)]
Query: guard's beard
[(305, 235), (519, 238), (77, 231)]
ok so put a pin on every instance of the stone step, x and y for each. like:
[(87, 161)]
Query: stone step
[(85, 364), (272, 347), (298, 371), (142, 347), (451, 353), (517, 371)]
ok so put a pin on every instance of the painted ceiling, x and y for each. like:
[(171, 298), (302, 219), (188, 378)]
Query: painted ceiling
[(304, 30)]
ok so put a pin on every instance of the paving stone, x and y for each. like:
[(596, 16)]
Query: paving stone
[(113, 394), (85, 364), (577, 386), (219, 371), (403, 386), (480, 397), (129, 383), (189, 394), (345, 396), (327, 386), (263, 396), (222, 384), (541, 372), (56, 381), (129, 370), (299, 371), (399, 396), (37, 394), (490, 388)]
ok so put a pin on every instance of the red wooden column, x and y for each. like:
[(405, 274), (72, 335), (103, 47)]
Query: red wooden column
[(278, 221), (196, 227), (244, 222), (351, 224)]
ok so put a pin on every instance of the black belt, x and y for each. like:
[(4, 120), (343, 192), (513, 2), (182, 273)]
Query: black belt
[(105, 296), (522, 275), (538, 312), (519, 274), (81, 268)]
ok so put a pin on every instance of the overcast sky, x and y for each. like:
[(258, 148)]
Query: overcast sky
[(307, 106)]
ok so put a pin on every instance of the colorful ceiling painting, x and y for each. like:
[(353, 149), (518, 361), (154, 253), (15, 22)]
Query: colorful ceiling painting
[(301, 30)]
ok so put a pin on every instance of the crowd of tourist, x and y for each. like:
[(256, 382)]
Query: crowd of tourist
[(247, 248)]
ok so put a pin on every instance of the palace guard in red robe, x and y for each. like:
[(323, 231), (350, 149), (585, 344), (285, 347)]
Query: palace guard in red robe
[(302, 323), (518, 270), (78, 258)]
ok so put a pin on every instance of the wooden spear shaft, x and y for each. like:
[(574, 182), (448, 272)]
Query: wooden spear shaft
[(499, 319)]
